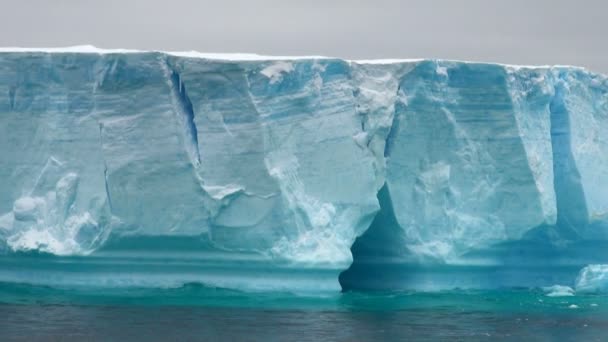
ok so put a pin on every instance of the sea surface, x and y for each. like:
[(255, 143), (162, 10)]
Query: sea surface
[(195, 312)]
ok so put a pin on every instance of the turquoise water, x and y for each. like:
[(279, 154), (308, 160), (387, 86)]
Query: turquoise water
[(196, 312)]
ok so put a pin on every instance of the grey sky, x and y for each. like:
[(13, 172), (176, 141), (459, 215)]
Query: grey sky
[(509, 31)]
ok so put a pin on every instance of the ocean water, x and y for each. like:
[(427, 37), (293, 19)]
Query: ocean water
[(197, 313)]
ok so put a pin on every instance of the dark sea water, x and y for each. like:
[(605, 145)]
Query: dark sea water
[(198, 313)]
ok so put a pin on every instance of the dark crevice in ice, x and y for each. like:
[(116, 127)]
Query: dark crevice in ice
[(185, 112)]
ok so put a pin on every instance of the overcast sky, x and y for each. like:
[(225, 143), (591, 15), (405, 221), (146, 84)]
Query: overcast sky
[(509, 31)]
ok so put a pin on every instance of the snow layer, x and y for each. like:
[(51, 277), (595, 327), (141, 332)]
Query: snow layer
[(286, 161)]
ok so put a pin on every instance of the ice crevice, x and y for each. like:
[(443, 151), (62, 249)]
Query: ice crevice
[(184, 111)]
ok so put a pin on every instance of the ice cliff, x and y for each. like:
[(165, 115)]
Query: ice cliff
[(152, 168)]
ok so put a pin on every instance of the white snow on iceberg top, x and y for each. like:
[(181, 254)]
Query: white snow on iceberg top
[(257, 57), (190, 54), (68, 49)]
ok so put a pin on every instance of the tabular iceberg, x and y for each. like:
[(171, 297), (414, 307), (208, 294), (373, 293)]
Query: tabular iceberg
[(149, 168)]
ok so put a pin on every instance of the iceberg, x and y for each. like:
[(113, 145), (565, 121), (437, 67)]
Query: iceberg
[(593, 278), (149, 168), (558, 291)]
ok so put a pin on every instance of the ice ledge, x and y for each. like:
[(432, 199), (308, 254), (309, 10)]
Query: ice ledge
[(256, 57)]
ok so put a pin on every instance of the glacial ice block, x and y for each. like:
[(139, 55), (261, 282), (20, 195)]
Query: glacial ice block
[(469, 157), (152, 168), (593, 278), (482, 175), (252, 161), (579, 126)]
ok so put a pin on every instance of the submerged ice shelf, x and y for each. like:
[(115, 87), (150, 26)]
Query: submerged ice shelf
[(155, 169)]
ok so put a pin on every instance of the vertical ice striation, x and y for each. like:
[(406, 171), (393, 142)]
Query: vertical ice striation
[(261, 173)]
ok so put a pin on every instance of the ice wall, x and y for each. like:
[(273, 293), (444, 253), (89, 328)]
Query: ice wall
[(260, 173), (489, 170)]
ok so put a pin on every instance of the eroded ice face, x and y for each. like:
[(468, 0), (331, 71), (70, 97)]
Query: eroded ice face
[(280, 162)]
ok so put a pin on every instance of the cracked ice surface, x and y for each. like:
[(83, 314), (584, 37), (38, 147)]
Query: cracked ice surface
[(257, 168)]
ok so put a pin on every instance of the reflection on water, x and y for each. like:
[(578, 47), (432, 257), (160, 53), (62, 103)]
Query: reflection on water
[(34, 322), (195, 312)]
